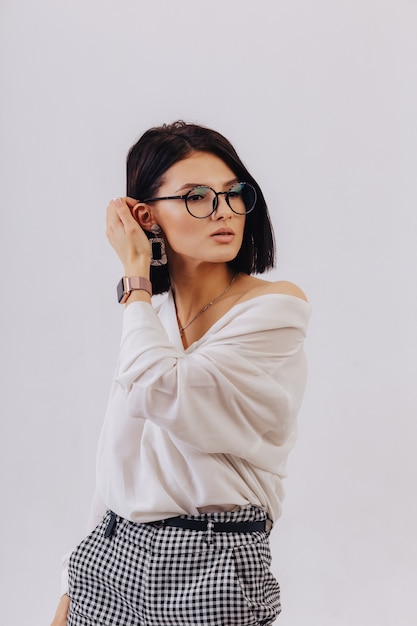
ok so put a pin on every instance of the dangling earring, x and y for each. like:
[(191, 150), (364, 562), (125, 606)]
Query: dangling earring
[(158, 253)]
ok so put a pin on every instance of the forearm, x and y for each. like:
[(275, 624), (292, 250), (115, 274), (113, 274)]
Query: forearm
[(130, 243), (60, 617)]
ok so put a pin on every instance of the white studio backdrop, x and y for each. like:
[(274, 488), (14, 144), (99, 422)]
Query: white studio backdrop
[(320, 100)]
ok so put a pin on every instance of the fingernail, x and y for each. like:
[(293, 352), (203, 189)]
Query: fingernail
[(117, 201)]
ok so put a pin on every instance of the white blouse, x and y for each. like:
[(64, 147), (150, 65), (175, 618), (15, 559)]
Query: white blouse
[(208, 427)]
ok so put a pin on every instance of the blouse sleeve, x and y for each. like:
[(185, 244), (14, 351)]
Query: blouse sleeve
[(239, 387)]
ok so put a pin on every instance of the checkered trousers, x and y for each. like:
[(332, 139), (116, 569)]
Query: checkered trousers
[(148, 576)]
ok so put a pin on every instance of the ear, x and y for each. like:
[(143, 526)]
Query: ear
[(143, 215)]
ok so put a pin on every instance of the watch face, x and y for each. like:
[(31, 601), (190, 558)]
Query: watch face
[(120, 290)]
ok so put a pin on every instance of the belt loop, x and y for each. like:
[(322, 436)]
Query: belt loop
[(111, 525), (209, 532)]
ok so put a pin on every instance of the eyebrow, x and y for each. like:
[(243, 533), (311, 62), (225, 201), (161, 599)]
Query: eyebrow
[(191, 185)]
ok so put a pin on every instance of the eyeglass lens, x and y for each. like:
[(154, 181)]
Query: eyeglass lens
[(202, 201)]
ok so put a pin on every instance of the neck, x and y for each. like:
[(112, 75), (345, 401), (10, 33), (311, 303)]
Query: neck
[(193, 290)]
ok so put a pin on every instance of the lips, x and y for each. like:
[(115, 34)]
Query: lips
[(223, 232)]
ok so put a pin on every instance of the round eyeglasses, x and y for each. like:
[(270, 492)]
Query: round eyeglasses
[(201, 201)]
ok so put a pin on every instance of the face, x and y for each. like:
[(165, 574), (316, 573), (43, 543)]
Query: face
[(214, 239)]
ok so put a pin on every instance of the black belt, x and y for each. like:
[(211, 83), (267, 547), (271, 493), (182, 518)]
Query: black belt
[(217, 527), (180, 522)]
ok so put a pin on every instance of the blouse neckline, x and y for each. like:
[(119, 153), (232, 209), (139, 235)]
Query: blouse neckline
[(224, 319)]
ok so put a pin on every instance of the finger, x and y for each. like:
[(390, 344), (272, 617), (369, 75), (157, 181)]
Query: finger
[(134, 206), (116, 219), (112, 214), (131, 202), (123, 211), (121, 217)]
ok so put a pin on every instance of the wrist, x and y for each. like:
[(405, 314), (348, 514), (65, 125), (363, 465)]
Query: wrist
[(138, 296), (138, 268)]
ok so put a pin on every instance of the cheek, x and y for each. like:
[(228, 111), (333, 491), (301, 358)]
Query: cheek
[(175, 224), (239, 227), (184, 235)]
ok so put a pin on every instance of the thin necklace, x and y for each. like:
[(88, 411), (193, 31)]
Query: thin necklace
[(206, 306)]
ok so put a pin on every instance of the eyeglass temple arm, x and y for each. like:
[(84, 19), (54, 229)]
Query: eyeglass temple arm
[(164, 198)]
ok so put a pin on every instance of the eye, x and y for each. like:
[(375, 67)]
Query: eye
[(236, 190), (197, 194)]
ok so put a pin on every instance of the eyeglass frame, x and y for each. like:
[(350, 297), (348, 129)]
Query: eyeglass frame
[(215, 199)]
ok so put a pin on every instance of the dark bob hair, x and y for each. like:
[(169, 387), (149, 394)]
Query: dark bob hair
[(158, 149)]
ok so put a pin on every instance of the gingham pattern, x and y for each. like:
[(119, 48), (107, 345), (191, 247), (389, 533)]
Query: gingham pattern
[(147, 576)]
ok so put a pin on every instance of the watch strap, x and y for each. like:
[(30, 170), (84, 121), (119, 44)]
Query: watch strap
[(128, 284)]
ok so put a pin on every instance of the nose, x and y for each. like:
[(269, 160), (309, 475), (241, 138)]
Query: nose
[(222, 210)]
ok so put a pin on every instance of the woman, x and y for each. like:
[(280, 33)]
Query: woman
[(202, 411)]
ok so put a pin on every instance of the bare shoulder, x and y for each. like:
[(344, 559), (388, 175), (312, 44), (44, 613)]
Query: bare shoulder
[(251, 287), (287, 288)]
